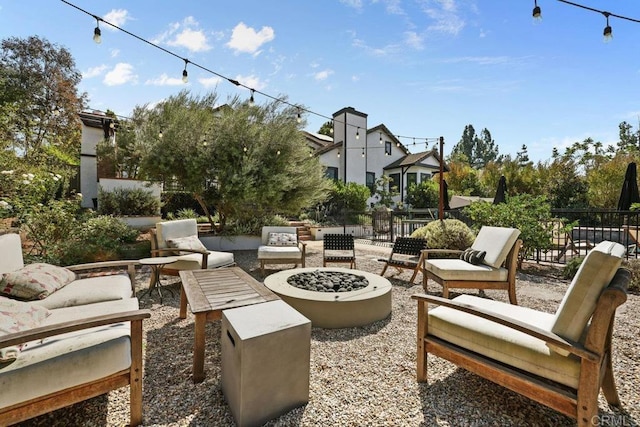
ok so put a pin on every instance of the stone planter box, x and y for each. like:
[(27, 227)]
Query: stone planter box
[(230, 243), (141, 222)]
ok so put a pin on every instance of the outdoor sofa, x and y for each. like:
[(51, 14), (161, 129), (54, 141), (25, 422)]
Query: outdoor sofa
[(65, 339)]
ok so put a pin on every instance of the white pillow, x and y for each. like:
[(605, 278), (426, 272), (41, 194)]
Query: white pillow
[(282, 239), (18, 316), (35, 281), (188, 242)]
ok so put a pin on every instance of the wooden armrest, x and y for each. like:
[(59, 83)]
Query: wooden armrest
[(546, 336), (102, 264), (173, 250), (71, 326)]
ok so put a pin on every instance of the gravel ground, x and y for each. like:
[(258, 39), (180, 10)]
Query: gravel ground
[(359, 376)]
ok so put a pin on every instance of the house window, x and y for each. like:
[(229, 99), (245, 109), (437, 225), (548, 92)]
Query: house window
[(412, 179), (371, 182), (387, 149), (395, 182), (331, 173), (425, 177)]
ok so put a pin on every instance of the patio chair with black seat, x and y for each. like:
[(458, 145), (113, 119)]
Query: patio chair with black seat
[(406, 254), (338, 248)]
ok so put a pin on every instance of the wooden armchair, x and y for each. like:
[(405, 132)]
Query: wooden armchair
[(411, 248), (281, 245), (560, 360), (496, 271), (338, 248)]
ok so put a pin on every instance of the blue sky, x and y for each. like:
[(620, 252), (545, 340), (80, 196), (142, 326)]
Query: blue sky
[(424, 68)]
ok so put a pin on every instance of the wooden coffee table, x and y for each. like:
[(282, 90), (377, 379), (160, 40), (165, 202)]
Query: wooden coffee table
[(208, 292)]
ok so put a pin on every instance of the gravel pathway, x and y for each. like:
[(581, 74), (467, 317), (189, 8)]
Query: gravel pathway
[(359, 377)]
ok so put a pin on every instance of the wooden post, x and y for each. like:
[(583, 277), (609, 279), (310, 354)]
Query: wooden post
[(441, 198)]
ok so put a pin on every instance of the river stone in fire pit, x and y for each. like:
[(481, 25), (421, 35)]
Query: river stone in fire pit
[(328, 281)]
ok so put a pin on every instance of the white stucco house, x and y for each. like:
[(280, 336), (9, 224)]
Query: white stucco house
[(357, 153)]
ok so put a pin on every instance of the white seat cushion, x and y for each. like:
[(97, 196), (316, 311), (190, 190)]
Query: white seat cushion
[(279, 252), (45, 367), (496, 242), (194, 261), (502, 343), (579, 302), (89, 290), (457, 269)]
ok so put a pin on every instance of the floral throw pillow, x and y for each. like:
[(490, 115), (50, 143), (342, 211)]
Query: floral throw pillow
[(282, 239), (18, 316), (35, 281), (188, 242)]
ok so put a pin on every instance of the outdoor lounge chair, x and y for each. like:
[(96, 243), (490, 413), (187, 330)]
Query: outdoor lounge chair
[(406, 254), (497, 270), (560, 360), (563, 242), (181, 236), (280, 245), (338, 248)]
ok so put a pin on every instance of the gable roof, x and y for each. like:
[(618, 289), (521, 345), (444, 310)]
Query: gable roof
[(415, 160), (382, 128)]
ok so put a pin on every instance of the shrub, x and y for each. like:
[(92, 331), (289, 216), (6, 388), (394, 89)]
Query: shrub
[(423, 195), (174, 201), (254, 226), (446, 234), (98, 239), (127, 201), (571, 267)]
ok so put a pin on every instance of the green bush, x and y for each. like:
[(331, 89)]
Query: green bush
[(446, 234), (127, 201), (423, 195), (571, 267), (98, 239), (175, 201)]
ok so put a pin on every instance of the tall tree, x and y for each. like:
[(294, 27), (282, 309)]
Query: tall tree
[(40, 102), (326, 128), (479, 150), (246, 161), (628, 138)]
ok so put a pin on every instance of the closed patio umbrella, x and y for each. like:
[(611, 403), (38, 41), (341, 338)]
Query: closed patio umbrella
[(501, 192), (629, 193), (445, 195)]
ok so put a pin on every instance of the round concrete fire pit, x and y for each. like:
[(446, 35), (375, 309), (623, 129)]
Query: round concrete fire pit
[(335, 309)]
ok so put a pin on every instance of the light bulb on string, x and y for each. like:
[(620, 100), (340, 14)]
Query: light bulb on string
[(244, 148), (363, 152), (338, 153), (160, 134), (251, 100), (185, 74), (607, 33), (278, 152), (537, 12), (358, 133), (97, 34), (299, 118), (380, 137), (331, 128)]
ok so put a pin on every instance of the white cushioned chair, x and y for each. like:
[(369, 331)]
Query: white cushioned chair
[(280, 245), (181, 236), (496, 271), (560, 360)]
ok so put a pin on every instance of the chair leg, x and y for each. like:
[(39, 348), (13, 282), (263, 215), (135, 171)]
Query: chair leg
[(384, 269), (445, 291), (421, 366), (262, 267), (415, 273), (608, 383), (512, 295)]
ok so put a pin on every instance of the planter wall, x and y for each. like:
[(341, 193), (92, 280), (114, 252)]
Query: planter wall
[(230, 243), (141, 222), (356, 230)]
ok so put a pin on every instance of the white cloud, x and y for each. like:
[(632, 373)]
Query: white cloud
[(479, 60), (247, 40), (115, 53), (414, 40), (117, 17), (209, 82), (445, 15), (122, 73), (165, 80), (193, 40), (322, 75), (251, 81), (355, 78), (356, 4), (94, 71), (185, 34)]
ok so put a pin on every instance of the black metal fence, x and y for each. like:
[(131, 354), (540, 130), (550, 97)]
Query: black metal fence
[(573, 232)]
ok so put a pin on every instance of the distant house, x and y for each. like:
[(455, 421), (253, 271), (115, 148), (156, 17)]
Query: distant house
[(358, 154), (96, 126)]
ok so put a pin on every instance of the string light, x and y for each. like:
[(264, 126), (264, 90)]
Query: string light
[(358, 133), (380, 137), (537, 12), (185, 74), (338, 153), (607, 33), (278, 152), (230, 80), (97, 34), (160, 134), (251, 100), (363, 152)]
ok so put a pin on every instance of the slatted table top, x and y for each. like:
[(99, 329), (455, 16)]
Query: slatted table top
[(222, 288)]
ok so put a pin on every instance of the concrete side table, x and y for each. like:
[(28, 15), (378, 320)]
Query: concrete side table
[(156, 264)]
